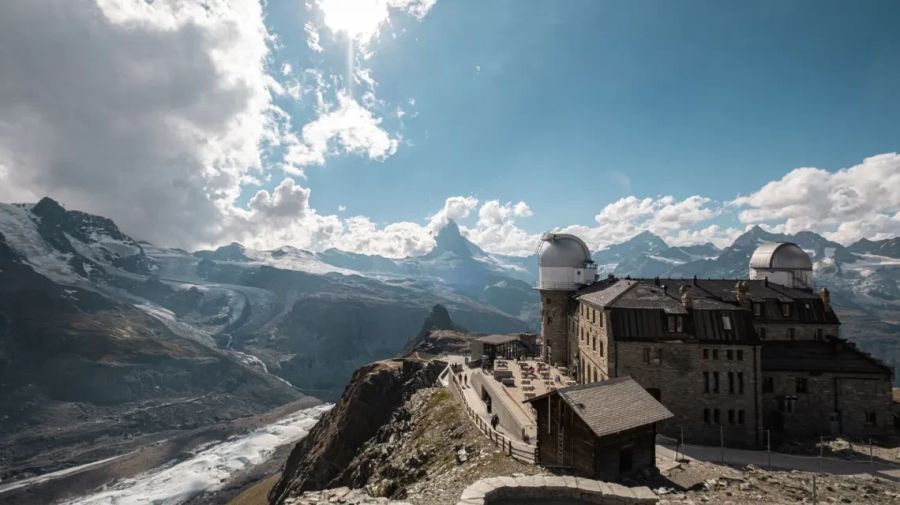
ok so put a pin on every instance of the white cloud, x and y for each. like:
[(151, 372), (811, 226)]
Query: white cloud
[(496, 230), (666, 216), (349, 127), (287, 202), (153, 113), (855, 202), (312, 36), (455, 207)]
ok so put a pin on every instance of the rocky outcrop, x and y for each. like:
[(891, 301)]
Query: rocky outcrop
[(438, 319), (369, 402)]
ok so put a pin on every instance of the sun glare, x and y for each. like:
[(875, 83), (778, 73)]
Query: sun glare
[(358, 19)]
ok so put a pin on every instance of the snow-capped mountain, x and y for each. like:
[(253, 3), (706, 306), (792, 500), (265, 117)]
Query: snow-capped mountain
[(648, 255)]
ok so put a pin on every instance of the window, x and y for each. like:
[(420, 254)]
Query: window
[(740, 378), (731, 383), (594, 342), (593, 315), (801, 385), (601, 348), (715, 382), (730, 416), (676, 324), (757, 309), (705, 353), (706, 382), (726, 322), (870, 417), (658, 358), (740, 355), (791, 333), (786, 404), (715, 354), (646, 355), (768, 385), (820, 334), (741, 416), (729, 354), (762, 333), (706, 416), (786, 309), (602, 315), (716, 416)]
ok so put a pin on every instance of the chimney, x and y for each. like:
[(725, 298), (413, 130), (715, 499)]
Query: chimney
[(665, 289), (685, 299), (656, 280), (694, 281), (825, 295), (740, 293), (766, 281)]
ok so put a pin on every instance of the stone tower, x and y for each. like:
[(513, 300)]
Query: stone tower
[(565, 265)]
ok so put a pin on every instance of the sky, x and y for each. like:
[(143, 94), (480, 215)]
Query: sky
[(367, 124)]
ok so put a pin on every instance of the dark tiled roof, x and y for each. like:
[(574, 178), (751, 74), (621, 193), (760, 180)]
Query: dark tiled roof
[(608, 293), (499, 339), (717, 294), (613, 405), (834, 355)]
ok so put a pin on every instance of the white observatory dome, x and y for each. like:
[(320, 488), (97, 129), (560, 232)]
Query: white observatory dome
[(782, 263), (565, 262)]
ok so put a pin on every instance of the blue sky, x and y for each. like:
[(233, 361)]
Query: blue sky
[(571, 105), (366, 125)]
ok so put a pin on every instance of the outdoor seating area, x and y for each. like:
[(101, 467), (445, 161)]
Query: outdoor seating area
[(524, 379)]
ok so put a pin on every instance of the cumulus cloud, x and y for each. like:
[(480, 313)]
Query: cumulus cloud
[(455, 207), (846, 205), (160, 114), (496, 230), (348, 127), (152, 113), (665, 216)]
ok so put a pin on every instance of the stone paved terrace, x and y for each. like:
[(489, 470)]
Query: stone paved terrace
[(528, 385)]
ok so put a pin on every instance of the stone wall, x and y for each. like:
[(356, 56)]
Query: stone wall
[(554, 325), (589, 335), (809, 412), (675, 372), (553, 489), (501, 404)]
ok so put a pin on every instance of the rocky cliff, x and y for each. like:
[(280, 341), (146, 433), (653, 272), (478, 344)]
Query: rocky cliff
[(375, 393)]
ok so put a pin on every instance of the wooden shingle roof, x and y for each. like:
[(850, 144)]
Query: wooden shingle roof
[(613, 405)]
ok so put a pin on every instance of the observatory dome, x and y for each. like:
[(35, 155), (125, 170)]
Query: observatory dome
[(565, 263), (783, 263), (780, 256), (563, 250)]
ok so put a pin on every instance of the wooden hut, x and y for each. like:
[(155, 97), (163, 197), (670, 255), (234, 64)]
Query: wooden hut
[(601, 430)]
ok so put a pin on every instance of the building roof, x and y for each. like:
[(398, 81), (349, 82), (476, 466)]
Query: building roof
[(612, 406), (499, 339), (608, 292), (833, 355), (710, 295), (780, 256)]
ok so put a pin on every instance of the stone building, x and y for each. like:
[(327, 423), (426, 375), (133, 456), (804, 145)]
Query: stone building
[(602, 430), (704, 348)]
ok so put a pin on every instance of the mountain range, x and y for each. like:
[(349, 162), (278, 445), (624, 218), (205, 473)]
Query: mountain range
[(96, 324)]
